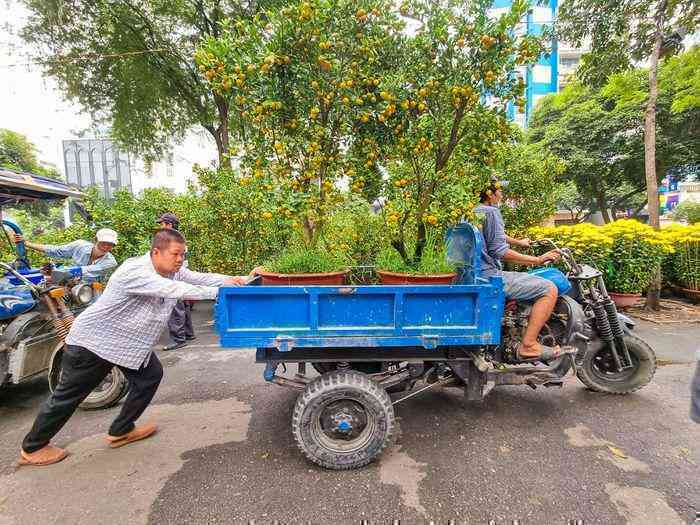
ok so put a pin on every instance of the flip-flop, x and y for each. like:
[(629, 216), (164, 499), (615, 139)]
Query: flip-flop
[(138, 433), (42, 457), (548, 354)]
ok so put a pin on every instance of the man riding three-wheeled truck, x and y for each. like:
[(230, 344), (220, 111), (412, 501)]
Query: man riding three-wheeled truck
[(489, 328), (38, 305)]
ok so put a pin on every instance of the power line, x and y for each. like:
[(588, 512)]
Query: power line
[(86, 56)]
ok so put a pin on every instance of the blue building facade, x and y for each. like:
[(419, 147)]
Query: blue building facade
[(542, 78)]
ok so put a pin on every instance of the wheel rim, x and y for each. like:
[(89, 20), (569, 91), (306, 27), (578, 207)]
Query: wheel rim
[(107, 384), (343, 425), (603, 366)]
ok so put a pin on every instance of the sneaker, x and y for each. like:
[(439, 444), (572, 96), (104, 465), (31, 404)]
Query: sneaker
[(174, 346)]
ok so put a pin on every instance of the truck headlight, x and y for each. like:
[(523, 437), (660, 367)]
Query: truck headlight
[(82, 293)]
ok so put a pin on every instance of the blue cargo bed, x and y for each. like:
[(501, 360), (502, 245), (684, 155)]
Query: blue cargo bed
[(289, 317)]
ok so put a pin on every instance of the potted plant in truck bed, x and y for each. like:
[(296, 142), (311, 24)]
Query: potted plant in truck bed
[(433, 267), (300, 265)]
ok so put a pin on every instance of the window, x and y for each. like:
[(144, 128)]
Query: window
[(569, 62), (170, 165)]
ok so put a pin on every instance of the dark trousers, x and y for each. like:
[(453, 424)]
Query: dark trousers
[(180, 322), (81, 372)]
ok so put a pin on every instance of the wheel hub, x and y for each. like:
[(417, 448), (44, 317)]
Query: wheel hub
[(343, 419)]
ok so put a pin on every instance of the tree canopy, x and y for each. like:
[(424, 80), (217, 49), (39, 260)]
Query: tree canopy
[(130, 64), (17, 152), (600, 132)]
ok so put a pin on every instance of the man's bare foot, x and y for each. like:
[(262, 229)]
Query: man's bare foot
[(538, 351)]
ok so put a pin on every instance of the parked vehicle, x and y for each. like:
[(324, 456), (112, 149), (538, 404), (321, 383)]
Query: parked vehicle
[(38, 305), (365, 341)]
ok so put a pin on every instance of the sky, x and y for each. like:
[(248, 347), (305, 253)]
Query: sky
[(29, 103), (35, 106)]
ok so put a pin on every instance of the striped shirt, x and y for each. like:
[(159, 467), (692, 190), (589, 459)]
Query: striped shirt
[(128, 318), (81, 253)]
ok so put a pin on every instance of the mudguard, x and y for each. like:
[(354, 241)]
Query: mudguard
[(575, 333), (627, 323)]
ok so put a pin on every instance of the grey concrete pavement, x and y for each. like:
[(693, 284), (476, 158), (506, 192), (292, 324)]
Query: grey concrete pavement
[(225, 454)]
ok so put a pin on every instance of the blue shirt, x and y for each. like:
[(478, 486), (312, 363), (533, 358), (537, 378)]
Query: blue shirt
[(495, 244), (80, 252)]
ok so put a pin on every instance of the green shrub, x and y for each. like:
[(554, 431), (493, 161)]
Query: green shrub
[(301, 259), (433, 260), (687, 211)]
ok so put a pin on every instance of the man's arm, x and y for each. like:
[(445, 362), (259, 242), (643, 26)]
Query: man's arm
[(529, 260), (153, 285), (63, 251), (33, 245), (100, 267), (522, 243), (208, 279)]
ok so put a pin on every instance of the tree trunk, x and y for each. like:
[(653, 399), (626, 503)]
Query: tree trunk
[(222, 132), (602, 207), (650, 148)]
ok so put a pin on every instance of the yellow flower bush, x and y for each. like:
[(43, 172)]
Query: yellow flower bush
[(628, 252), (682, 266), (587, 242)]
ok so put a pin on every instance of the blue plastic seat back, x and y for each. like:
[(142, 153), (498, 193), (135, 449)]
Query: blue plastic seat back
[(464, 250)]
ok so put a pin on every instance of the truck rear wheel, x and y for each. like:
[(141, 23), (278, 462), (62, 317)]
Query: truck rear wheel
[(343, 420)]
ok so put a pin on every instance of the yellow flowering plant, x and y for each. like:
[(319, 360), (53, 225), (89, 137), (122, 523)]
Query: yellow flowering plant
[(638, 251), (682, 266), (626, 251)]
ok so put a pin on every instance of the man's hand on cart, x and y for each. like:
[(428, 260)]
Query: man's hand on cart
[(236, 280), (256, 271)]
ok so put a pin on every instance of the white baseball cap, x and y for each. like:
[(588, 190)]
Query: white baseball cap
[(107, 235)]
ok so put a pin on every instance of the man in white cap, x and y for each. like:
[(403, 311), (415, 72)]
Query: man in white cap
[(95, 260)]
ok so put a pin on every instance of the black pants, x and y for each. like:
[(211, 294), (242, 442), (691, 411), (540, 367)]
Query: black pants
[(180, 322), (82, 371)]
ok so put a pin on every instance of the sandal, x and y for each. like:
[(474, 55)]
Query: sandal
[(548, 354)]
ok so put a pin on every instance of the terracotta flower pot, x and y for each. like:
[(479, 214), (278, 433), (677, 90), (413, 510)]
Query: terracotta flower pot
[(407, 278), (624, 300), (284, 279)]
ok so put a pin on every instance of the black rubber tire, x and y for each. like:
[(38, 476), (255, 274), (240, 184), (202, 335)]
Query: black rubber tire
[(352, 387), (117, 388), (365, 367), (642, 356)]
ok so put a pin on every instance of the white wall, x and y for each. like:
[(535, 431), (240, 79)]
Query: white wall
[(175, 172)]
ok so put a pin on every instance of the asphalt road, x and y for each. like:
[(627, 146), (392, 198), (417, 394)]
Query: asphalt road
[(224, 453)]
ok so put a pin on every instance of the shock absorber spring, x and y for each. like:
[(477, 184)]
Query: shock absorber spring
[(611, 311), (62, 324), (602, 322)]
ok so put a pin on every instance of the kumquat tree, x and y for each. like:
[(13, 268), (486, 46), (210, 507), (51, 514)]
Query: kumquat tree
[(447, 112), (327, 93), (306, 81)]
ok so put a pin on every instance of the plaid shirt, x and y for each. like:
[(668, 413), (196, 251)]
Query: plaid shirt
[(81, 252), (127, 319)]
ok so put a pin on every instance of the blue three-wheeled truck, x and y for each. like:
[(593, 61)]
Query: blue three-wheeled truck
[(368, 341)]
